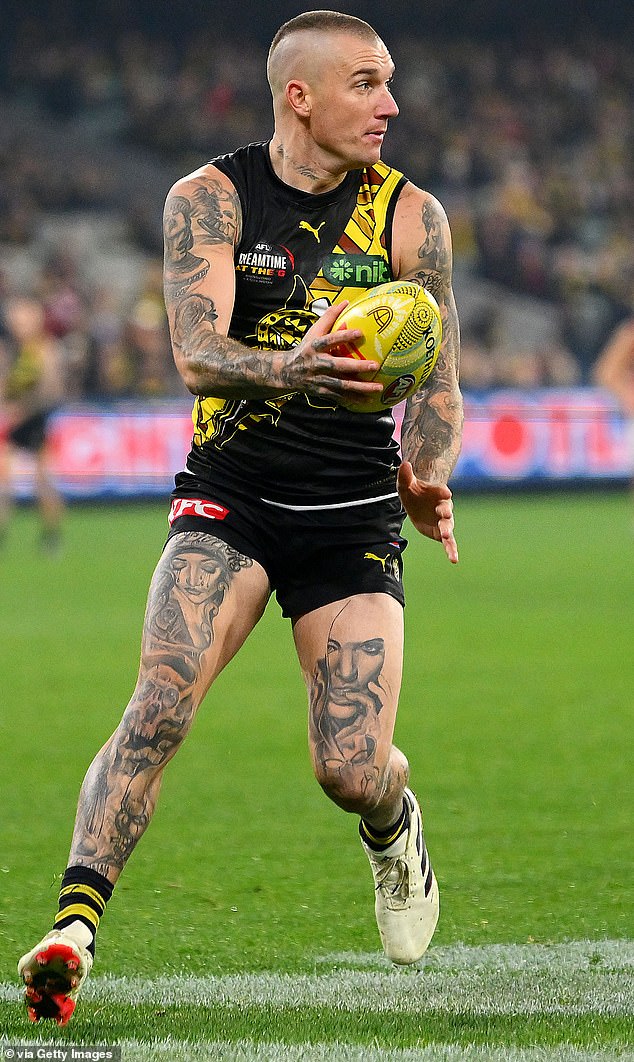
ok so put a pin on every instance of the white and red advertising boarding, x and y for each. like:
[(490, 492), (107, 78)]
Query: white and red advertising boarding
[(510, 437)]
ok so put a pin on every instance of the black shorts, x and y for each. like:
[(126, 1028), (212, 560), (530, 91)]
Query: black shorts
[(30, 434), (312, 556)]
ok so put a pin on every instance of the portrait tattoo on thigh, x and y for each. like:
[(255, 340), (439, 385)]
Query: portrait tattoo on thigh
[(188, 591), (345, 703)]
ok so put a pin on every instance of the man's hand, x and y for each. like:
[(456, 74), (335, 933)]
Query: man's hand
[(319, 365), (429, 507)]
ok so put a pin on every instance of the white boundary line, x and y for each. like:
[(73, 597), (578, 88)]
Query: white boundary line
[(617, 954), (576, 978)]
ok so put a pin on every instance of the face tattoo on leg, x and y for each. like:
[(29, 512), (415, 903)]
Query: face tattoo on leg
[(346, 700)]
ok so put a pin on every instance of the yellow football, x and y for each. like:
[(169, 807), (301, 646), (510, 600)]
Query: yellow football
[(402, 330)]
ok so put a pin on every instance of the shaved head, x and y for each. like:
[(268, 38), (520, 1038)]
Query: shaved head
[(299, 43), (330, 77)]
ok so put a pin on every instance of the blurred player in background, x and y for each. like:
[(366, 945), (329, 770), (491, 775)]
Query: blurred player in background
[(614, 370), (286, 490), (31, 387)]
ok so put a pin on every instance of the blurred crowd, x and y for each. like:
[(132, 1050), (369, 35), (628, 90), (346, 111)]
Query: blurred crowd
[(529, 146), (106, 347)]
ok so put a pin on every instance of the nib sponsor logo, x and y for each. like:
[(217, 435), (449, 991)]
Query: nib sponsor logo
[(196, 507), (356, 270)]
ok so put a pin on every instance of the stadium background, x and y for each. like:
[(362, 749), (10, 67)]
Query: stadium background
[(520, 122)]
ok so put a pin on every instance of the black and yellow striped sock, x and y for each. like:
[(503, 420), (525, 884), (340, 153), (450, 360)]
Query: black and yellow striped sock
[(83, 897), (379, 840)]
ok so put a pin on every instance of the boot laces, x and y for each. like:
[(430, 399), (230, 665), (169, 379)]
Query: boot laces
[(392, 878)]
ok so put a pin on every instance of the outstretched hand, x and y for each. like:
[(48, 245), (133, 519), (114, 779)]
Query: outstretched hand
[(429, 507)]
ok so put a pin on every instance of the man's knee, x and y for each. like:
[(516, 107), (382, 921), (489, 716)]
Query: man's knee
[(355, 789)]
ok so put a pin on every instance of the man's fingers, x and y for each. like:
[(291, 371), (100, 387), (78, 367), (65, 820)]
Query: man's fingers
[(330, 315), (448, 540), (451, 550), (351, 367), (345, 375), (332, 340), (436, 492), (431, 508), (451, 547), (336, 309)]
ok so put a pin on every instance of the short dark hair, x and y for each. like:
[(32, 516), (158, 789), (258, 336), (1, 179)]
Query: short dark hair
[(333, 21)]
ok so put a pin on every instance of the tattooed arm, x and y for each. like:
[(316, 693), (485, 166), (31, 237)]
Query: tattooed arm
[(201, 225), (432, 425)]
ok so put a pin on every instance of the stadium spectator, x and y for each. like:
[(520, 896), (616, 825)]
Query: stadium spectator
[(614, 370), (31, 386), (109, 368)]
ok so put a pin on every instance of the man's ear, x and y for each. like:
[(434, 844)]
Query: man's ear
[(298, 97)]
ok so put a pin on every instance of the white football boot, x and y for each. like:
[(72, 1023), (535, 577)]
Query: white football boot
[(407, 903), (54, 971)]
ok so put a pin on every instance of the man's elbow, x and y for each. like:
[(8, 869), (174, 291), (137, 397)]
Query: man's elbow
[(189, 373)]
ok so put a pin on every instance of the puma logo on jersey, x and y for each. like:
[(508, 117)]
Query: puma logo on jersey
[(309, 228)]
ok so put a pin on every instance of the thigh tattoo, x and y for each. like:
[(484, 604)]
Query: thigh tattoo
[(346, 700), (190, 586), (187, 593)]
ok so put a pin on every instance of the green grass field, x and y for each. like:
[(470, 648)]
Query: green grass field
[(245, 917)]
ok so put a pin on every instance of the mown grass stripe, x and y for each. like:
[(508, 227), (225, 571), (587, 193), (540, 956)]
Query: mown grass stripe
[(603, 994), (103, 1022), (487, 991)]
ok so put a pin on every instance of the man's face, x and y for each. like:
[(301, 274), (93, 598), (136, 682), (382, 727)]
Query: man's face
[(197, 575), (353, 667), (350, 99)]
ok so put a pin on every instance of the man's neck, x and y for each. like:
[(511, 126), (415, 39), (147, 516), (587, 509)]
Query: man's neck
[(299, 172)]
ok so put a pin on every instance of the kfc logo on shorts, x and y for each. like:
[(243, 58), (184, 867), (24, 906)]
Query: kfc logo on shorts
[(196, 507)]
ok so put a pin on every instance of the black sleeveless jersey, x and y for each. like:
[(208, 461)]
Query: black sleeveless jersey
[(299, 253)]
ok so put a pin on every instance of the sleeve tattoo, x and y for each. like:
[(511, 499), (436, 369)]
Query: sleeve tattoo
[(432, 426)]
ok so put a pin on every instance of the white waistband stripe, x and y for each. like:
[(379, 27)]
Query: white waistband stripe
[(334, 505)]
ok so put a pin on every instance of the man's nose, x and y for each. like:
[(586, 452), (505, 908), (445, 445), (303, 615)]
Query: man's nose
[(388, 107)]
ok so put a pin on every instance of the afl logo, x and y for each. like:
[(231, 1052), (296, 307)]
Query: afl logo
[(399, 388), (265, 263), (383, 316)]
